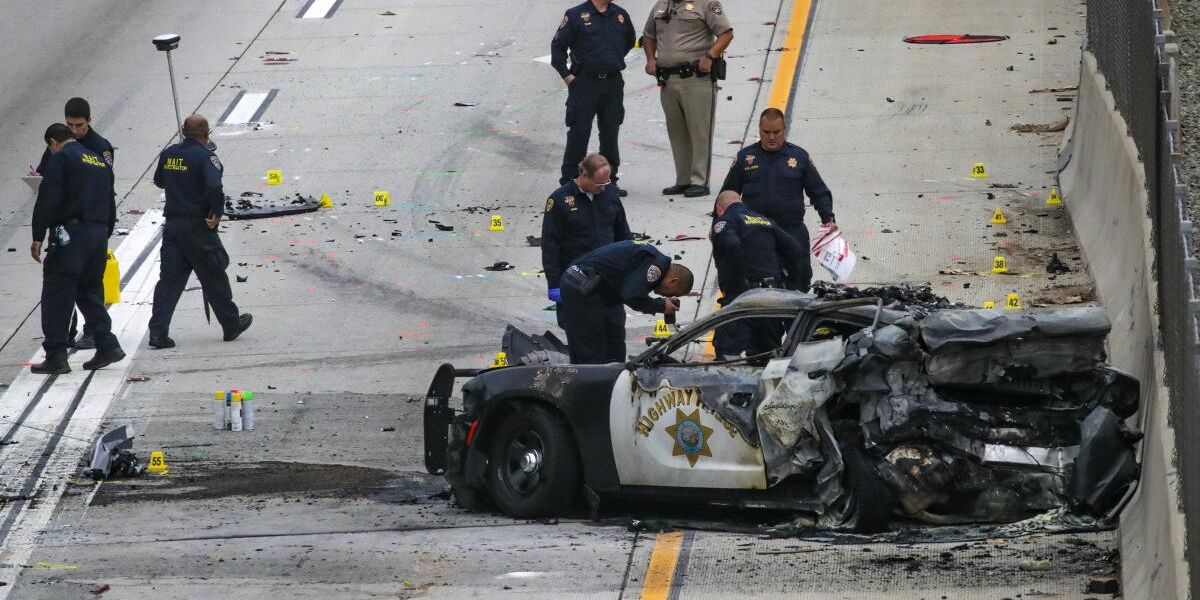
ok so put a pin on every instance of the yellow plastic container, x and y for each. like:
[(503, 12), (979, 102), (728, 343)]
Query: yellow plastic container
[(112, 280)]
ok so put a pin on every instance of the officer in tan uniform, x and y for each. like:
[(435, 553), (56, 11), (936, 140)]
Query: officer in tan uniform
[(684, 42)]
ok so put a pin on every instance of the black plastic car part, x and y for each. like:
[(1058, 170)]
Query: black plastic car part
[(438, 416)]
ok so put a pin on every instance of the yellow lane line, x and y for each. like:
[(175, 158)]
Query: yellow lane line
[(789, 59), (665, 555), (661, 572)]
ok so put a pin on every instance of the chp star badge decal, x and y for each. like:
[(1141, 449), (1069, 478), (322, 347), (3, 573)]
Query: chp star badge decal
[(749, 159), (792, 162), (691, 436)]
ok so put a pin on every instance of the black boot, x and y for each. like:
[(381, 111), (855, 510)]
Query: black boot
[(243, 324), (161, 341), (55, 364), (103, 358)]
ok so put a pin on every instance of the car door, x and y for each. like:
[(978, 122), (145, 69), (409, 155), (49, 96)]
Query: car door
[(685, 421)]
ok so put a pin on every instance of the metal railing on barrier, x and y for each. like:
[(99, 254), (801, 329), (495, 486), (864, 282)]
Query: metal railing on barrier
[(1179, 307)]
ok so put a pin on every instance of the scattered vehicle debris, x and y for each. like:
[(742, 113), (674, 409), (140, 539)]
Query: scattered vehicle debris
[(500, 265), (1056, 266), (466, 104), (138, 379), (1058, 125), (246, 208), (524, 349), (533, 241), (861, 415), (113, 455), (964, 38)]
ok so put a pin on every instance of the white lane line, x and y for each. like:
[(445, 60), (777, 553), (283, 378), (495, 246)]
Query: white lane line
[(247, 107), (130, 319), (319, 9)]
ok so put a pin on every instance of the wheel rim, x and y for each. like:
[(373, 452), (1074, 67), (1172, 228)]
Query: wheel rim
[(523, 462)]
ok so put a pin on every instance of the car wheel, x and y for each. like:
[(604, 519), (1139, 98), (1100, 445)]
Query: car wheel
[(533, 469), (869, 502)]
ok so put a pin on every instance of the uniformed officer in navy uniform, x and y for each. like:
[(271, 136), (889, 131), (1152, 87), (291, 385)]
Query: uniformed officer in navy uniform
[(191, 175), (75, 206), (597, 34), (581, 216), (598, 286), (773, 176), (751, 251), (78, 118)]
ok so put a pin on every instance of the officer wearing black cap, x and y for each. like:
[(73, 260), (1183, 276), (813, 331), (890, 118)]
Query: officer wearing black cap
[(597, 287), (597, 34), (78, 118), (581, 216), (191, 175), (773, 176), (751, 251), (75, 206)]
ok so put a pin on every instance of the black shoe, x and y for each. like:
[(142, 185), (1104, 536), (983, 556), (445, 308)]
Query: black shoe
[(622, 192), (103, 358), (55, 364), (244, 322), (85, 342), (675, 190), (161, 341), (695, 191)]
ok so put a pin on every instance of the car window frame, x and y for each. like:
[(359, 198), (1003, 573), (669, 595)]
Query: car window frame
[(653, 356)]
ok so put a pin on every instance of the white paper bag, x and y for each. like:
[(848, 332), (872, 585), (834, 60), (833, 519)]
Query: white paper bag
[(834, 253)]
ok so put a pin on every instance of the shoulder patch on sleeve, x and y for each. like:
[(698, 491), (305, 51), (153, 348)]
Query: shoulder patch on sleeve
[(549, 204), (653, 274), (215, 161), (108, 157), (565, 20), (719, 226), (715, 7)]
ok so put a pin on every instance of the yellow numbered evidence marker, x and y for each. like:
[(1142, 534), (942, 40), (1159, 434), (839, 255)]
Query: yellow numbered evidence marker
[(496, 223), (661, 330), (979, 171), (989, 304), (998, 218), (999, 265), (501, 360), (382, 198), (325, 201), (158, 463), (274, 177), (1055, 199), (112, 280), (1013, 302)]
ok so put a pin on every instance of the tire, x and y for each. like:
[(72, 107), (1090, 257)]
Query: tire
[(869, 503), (533, 468)]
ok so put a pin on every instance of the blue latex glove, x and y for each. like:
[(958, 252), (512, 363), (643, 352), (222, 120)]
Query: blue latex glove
[(554, 295)]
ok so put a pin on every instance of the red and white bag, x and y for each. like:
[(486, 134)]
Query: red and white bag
[(834, 253)]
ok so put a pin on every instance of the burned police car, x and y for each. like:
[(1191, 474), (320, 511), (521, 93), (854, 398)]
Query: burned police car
[(862, 415)]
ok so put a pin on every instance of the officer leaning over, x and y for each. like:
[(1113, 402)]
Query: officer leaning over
[(78, 118), (684, 41), (750, 252), (597, 34), (581, 216), (773, 176), (191, 175), (75, 204), (598, 286)]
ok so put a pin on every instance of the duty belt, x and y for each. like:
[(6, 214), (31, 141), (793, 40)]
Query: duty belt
[(767, 282), (596, 74)]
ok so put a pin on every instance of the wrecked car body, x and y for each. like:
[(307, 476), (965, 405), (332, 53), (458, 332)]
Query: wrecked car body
[(861, 416)]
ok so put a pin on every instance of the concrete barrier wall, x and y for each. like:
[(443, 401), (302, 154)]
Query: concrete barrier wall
[(1104, 185)]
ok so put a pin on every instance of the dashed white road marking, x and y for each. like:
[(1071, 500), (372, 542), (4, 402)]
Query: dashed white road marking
[(247, 107), (319, 9), (90, 392)]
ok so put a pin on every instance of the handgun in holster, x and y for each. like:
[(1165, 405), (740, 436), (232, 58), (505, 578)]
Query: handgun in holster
[(719, 68), (585, 283)]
